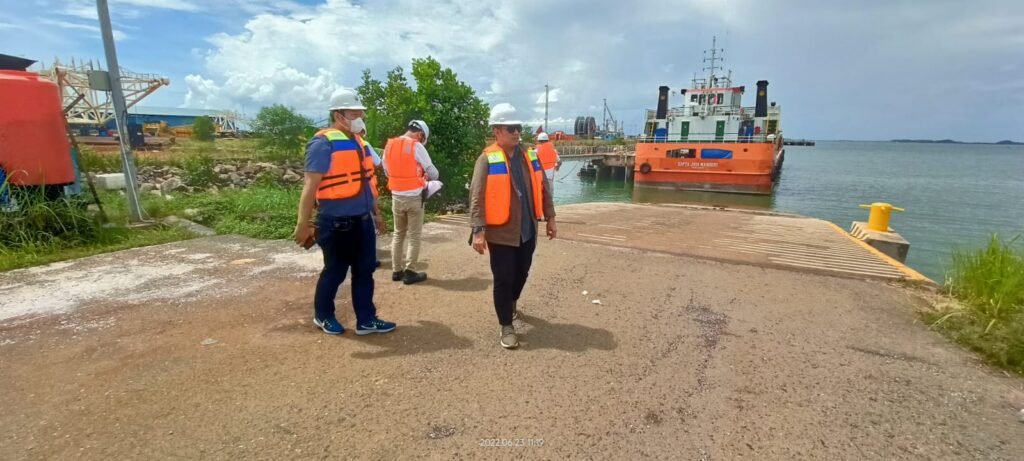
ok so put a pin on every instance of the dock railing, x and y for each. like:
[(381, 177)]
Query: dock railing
[(588, 151), (687, 111), (706, 138)]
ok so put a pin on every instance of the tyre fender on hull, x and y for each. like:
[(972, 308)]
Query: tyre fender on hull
[(645, 168)]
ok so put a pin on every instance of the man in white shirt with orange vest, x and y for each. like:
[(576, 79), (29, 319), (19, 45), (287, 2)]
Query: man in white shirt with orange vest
[(549, 159), (408, 167)]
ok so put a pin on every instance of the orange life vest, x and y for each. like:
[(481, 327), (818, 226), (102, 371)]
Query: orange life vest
[(404, 172), (548, 156), (498, 192), (350, 166)]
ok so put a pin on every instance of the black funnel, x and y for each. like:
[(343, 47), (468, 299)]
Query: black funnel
[(662, 103), (761, 106)]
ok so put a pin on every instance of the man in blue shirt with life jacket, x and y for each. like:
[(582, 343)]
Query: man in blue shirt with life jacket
[(340, 181)]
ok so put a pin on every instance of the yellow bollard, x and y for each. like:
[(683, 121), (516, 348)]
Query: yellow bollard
[(878, 220)]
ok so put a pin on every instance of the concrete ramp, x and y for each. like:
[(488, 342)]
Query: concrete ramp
[(762, 239)]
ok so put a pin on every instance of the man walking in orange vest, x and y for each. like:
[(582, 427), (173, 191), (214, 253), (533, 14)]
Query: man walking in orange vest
[(508, 195), (340, 181), (408, 166), (549, 159)]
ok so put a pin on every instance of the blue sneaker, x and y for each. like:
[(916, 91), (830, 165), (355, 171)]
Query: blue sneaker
[(374, 326), (330, 326)]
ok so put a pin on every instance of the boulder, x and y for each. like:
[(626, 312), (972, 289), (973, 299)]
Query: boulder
[(171, 184)]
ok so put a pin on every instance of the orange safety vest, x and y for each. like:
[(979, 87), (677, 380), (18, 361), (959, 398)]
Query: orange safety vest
[(548, 156), (350, 166), (404, 172), (498, 192)]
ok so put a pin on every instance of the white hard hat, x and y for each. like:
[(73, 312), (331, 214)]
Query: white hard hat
[(422, 126), (504, 114), (542, 137), (346, 99)]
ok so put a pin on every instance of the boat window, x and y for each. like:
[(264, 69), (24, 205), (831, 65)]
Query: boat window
[(721, 97), (693, 98), (681, 153), (702, 98)]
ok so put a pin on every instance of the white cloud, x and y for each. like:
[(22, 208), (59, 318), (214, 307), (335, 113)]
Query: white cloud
[(176, 5), (86, 9), (552, 96), (589, 50), (300, 59), (255, 7), (118, 35)]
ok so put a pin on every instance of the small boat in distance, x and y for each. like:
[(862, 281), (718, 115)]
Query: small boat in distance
[(588, 171), (711, 142)]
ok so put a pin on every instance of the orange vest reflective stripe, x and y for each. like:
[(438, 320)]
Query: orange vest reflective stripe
[(498, 192), (404, 172), (350, 165), (548, 156)]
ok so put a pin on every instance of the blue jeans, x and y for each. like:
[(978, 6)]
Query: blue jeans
[(347, 242)]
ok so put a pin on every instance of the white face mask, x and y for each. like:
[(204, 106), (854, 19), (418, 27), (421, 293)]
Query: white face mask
[(357, 125)]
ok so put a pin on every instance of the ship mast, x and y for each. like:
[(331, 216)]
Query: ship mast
[(712, 83), (714, 57)]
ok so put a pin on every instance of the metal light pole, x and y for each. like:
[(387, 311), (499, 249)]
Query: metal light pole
[(135, 212), (545, 108)]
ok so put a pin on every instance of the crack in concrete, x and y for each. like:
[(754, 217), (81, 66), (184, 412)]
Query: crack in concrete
[(712, 325)]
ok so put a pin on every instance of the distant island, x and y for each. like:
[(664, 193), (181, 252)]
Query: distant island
[(950, 141)]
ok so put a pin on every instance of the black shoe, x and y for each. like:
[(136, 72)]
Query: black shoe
[(413, 277), (397, 276)]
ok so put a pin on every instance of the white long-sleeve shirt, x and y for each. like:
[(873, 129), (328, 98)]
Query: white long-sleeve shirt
[(423, 158)]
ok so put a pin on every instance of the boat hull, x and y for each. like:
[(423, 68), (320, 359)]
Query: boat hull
[(744, 168)]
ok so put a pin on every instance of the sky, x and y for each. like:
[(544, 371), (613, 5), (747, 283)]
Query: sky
[(866, 70)]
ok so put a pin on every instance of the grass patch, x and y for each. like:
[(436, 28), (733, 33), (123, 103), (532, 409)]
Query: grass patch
[(989, 285), (40, 231), (108, 240), (263, 212), (109, 161)]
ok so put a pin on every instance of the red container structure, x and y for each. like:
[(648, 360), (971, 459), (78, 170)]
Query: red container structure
[(34, 148)]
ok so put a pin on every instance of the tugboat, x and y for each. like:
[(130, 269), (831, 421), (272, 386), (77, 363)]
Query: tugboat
[(711, 142), (587, 171)]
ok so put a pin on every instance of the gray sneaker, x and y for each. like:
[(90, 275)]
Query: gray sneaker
[(509, 340)]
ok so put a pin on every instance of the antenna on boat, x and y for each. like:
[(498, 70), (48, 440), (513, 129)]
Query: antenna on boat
[(714, 57)]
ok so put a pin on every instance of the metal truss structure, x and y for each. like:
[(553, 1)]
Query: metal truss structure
[(85, 105)]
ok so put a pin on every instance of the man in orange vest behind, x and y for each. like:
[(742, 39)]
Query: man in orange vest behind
[(549, 159), (408, 166), (508, 195), (340, 181)]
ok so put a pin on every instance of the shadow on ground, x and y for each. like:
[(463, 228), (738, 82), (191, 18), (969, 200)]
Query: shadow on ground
[(424, 338), (464, 284), (564, 336)]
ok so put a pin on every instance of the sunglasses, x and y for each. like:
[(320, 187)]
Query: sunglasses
[(512, 129)]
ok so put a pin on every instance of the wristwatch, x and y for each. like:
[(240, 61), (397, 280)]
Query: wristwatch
[(478, 229)]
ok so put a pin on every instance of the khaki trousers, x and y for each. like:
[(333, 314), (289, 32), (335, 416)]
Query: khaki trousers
[(408, 213)]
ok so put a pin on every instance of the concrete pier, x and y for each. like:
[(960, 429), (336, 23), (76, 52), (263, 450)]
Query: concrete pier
[(648, 332)]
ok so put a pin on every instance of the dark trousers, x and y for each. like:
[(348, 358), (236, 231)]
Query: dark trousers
[(510, 267), (347, 242)]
